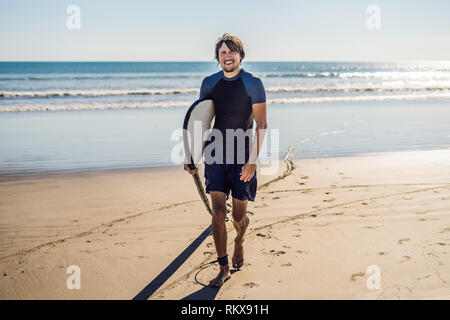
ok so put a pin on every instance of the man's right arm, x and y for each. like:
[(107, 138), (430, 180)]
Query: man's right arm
[(204, 90)]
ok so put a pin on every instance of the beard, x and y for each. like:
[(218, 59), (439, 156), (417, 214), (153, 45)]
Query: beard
[(230, 68)]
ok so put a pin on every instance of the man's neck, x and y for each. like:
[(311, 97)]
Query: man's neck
[(231, 74)]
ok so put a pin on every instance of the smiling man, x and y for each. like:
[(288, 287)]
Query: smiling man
[(239, 98)]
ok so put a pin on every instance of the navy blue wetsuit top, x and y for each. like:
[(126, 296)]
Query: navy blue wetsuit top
[(233, 99)]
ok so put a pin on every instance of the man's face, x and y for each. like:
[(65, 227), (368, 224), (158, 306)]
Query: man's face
[(229, 60)]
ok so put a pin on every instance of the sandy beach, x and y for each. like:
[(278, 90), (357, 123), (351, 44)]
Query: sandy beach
[(314, 232)]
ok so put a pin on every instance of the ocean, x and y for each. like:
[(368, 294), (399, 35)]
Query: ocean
[(64, 116)]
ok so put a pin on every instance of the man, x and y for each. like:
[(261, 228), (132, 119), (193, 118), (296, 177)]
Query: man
[(238, 97)]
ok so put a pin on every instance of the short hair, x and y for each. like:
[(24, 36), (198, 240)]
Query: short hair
[(232, 42)]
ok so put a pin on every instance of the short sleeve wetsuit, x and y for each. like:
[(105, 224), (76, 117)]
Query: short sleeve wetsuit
[(233, 99)]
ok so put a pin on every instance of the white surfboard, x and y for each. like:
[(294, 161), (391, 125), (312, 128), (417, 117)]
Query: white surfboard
[(198, 120)]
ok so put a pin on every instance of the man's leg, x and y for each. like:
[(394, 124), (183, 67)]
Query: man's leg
[(240, 223), (219, 208)]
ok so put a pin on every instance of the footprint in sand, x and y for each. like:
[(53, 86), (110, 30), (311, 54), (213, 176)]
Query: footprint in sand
[(372, 227), (304, 177), (262, 206), (275, 198), (405, 258), (403, 240), (287, 264), (315, 207), (338, 213), (277, 253), (446, 230), (250, 285), (329, 200), (321, 225), (355, 275), (382, 253), (260, 235), (300, 251)]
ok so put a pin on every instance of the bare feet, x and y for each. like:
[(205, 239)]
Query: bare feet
[(223, 276), (238, 255)]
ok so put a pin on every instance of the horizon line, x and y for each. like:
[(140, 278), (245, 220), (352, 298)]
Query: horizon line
[(213, 61)]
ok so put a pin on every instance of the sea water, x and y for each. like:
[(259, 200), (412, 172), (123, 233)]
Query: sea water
[(93, 115)]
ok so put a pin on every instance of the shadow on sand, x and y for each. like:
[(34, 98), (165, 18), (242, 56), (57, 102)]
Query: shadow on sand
[(205, 293), (156, 283)]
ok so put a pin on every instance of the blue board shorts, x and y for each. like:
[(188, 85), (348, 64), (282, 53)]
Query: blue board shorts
[(226, 177)]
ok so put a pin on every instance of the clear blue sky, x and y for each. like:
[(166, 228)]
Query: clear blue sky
[(138, 30)]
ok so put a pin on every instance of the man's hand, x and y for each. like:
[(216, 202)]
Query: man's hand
[(248, 171), (194, 171)]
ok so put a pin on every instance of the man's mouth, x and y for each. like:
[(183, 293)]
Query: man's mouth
[(228, 62)]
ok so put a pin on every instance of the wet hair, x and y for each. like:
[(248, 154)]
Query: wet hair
[(232, 42)]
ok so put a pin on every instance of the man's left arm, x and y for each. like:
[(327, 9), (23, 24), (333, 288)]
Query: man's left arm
[(259, 114)]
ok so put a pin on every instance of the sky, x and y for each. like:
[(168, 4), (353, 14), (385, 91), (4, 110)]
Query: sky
[(138, 30)]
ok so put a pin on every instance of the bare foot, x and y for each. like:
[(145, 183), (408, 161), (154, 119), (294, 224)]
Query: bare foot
[(223, 276), (238, 255)]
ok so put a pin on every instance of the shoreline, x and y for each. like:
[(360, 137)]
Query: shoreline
[(18, 175)]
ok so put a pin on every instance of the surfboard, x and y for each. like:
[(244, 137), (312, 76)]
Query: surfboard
[(198, 120)]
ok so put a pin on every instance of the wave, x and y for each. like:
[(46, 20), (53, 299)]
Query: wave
[(345, 89), (384, 75), (162, 104), (95, 106), (101, 77), (93, 93), (288, 89), (359, 98)]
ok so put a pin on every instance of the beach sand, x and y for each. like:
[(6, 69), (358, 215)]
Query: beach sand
[(329, 229)]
